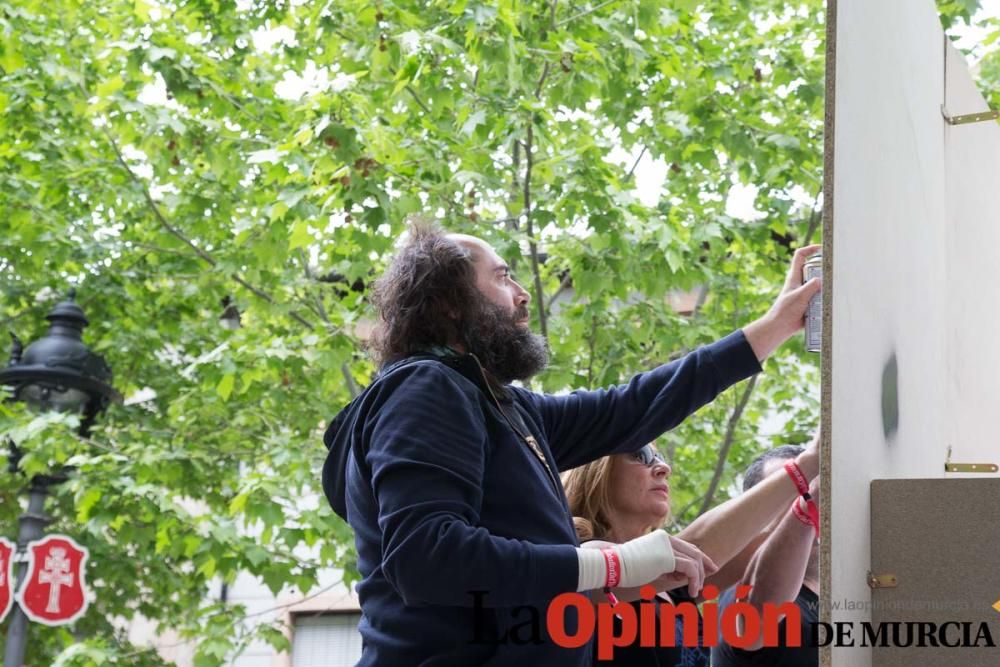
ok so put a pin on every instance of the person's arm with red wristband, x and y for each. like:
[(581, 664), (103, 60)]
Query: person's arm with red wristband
[(777, 570), (655, 558), (729, 535), (731, 532)]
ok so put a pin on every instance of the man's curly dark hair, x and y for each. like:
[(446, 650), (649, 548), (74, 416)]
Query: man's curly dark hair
[(426, 297)]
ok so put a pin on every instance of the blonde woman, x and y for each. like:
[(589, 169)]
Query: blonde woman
[(618, 498)]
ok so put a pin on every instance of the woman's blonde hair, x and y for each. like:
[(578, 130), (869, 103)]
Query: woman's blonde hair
[(588, 491)]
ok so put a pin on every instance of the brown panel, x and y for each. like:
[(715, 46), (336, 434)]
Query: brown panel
[(941, 540)]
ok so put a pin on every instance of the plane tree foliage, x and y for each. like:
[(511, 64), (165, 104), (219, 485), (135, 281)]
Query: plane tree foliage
[(646, 167)]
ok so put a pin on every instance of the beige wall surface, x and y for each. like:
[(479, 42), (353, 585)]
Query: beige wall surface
[(915, 231)]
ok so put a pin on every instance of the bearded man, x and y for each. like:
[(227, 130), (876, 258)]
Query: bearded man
[(449, 474)]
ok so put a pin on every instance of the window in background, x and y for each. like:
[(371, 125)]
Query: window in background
[(327, 640)]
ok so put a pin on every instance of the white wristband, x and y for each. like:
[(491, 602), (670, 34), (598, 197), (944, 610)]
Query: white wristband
[(642, 560), (593, 569), (645, 558)]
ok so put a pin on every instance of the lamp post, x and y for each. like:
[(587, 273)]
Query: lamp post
[(56, 372)]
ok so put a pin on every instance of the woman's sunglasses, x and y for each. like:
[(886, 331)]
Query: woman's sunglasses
[(647, 456)]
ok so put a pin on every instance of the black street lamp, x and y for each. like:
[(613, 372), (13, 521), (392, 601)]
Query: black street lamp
[(56, 372)]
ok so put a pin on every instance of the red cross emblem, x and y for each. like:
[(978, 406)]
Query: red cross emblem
[(7, 550), (54, 592)]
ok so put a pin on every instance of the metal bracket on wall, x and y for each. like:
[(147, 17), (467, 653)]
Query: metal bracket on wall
[(968, 467), (965, 119), (971, 467), (882, 580)]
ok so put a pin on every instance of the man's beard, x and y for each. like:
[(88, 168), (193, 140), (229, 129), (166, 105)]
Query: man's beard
[(508, 350)]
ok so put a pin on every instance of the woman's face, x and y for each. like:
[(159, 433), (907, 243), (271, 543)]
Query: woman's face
[(639, 490)]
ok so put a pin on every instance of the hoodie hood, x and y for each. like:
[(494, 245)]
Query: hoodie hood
[(339, 439), (338, 444), (340, 434)]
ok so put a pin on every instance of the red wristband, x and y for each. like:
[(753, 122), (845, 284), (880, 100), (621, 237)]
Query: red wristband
[(614, 568), (814, 515), (800, 481), (800, 514), (809, 516)]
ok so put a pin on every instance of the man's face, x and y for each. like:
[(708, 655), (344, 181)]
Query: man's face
[(499, 334), (494, 280)]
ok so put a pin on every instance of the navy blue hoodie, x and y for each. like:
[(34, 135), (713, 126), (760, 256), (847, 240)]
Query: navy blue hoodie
[(463, 536)]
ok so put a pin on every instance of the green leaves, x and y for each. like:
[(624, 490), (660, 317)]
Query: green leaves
[(148, 159), (225, 386), (957, 10), (109, 87), (11, 59)]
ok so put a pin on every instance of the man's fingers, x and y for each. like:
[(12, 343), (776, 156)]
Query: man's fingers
[(794, 278), (802, 294)]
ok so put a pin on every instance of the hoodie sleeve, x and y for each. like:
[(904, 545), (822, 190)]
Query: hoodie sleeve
[(586, 425), (427, 454)]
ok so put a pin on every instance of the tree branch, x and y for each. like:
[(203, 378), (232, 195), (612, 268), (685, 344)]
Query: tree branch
[(417, 99), (320, 311), (563, 286), (532, 245), (230, 98), (156, 248), (593, 344), (727, 444), (528, 165), (294, 314), (679, 516), (513, 225), (152, 203), (584, 13), (449, 204), (636, 163), (541, 81), (700, 301), (208, 259)]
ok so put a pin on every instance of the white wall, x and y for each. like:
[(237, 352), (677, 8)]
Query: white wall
[(915, 211), (972, 187)]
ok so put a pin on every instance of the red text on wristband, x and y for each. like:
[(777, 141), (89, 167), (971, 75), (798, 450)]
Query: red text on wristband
[(800, 481), (614, 568)]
